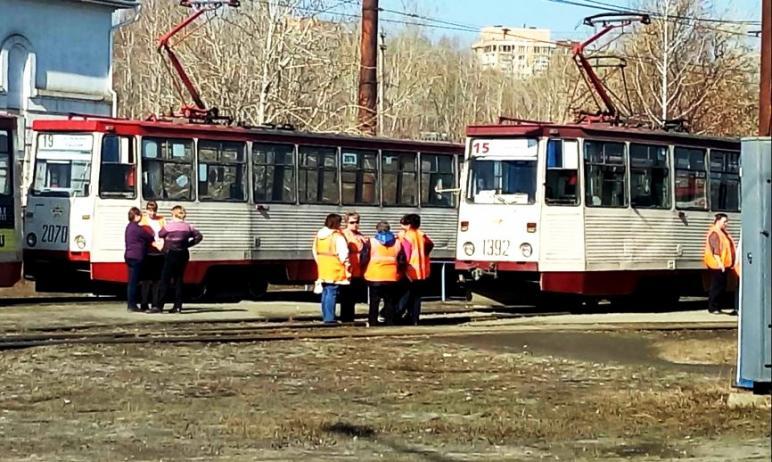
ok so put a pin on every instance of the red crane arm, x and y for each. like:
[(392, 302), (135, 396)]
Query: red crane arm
[(609, 22), (163, 45), (198, 109), (585, 67)]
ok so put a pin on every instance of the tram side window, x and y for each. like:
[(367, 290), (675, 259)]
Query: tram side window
[(274, 172), (725, 181), (117, 170), (562, 172), (604, 174), (359, 177), (690, 179), (221, 171), (400, 179), (649, 177), (437, 172), (167, 169), (318, 175), (6, 166)]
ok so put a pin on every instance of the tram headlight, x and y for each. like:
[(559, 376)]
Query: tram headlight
[(80, 241), (32, 239), (468, 249), (526, 249)]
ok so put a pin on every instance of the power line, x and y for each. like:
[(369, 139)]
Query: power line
[(675, 17), (596, 5)]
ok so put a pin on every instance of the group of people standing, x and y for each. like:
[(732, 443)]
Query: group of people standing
[(156, 256), (392, 267)]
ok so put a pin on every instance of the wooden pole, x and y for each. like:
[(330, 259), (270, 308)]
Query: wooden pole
[(368, 80)]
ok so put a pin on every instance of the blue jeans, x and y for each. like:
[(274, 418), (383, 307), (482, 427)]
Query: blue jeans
[(329, 294), (131, 288)]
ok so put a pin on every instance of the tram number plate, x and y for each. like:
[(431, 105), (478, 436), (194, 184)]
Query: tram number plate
[(54, 234), (496, 247)]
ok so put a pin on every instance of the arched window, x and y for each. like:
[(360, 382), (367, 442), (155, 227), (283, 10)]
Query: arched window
[(17, 71)]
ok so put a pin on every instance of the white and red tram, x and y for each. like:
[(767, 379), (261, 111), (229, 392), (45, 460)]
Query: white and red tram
[(592, 210), (257, 194)]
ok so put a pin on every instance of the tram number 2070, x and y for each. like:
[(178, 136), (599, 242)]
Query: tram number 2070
[(496, 247), (54, 234)]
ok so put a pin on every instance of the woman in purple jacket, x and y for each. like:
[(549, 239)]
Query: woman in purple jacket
[(137, 241), (178, 237)]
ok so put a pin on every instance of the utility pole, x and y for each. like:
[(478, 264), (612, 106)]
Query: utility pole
[(765, 94), (665, 51), (368, 82), (381, 81)]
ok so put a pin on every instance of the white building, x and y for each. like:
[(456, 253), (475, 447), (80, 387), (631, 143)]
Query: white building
[(522, 52), (55, 59)]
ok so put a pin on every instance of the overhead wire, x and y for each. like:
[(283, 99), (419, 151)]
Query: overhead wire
[(670, 18)]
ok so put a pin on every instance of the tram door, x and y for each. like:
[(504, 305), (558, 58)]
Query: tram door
[(9, 251)]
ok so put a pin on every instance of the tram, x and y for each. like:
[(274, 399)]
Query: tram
[(258, 195), (10, 244), (592, 210), (596, 209)]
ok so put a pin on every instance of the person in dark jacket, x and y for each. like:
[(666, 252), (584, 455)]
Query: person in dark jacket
[(137, 241), (383, 262), (178, 237)]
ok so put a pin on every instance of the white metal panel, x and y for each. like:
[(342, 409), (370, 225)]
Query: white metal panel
[(562, 239), (635, 239)]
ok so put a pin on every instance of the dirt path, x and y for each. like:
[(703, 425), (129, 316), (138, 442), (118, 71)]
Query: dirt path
[(426, 399)]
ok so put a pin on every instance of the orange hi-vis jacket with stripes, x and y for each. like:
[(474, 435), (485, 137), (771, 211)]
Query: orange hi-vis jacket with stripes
[(726, 249), (328, 264), (418, 264), (355, 241), (383, 265)]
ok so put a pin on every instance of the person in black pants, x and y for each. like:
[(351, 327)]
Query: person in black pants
[(178, 237), (136, 243)]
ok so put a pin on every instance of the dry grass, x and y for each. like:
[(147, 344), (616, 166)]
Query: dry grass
[(150, 402)]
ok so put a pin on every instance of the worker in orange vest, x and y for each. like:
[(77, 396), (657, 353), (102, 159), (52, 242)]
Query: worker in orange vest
[(719, 256), (383, 260), (353, 293), (418, 246), (330, 252)]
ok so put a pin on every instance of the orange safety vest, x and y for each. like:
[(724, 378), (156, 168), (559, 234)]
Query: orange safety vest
[(383, 262), (356, 243), (328, 264), (727, 249), (418, 267)]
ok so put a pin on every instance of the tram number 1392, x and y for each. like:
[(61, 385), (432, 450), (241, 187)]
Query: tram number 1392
[(54, 234), (496, 247)]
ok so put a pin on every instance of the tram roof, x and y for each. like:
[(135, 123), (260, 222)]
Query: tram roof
[(234, 133), (601, 131)]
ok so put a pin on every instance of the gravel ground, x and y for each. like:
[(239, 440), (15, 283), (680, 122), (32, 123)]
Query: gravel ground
[(520, 396)]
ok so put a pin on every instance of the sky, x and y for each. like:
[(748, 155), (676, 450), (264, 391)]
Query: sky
[(564, 20)]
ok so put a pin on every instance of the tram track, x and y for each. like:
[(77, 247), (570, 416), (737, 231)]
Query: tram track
[(213, 334)]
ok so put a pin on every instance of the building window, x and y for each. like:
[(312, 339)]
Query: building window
[(274, 172), (561, 186), (400, 179), (724, 181), (437, 172), (222, 171), (318, 175), (359, 177), (649, 177), (167, 169), (604, 174), (117, 170), (690, 178)]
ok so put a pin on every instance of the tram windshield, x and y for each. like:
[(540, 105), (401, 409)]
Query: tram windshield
[(502, 181), (63, 165)]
